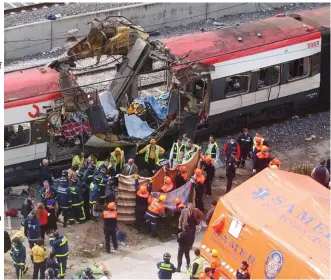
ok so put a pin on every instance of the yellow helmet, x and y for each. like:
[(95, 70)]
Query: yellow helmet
[(118, 149), (163, 197), (214, 253)]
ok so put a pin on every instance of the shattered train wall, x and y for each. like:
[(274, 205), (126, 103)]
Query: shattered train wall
[(30, 39), (126, 199)]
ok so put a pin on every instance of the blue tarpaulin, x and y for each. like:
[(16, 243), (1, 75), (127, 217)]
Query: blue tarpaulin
[(159, 109)]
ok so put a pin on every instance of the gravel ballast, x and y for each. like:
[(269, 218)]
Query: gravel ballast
[(289, 134), (69, 9)]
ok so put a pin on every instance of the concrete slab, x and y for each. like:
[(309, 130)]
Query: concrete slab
[(142, 264)]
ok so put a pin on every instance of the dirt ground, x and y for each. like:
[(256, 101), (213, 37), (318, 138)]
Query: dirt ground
[(86, 241)]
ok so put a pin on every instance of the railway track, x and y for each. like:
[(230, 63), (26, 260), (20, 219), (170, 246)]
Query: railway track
[(20, 7)]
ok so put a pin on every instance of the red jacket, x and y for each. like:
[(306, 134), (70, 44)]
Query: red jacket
[(229, 149), (43, 218)]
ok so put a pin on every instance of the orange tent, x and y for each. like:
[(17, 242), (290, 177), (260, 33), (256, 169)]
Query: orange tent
[(277, 221)]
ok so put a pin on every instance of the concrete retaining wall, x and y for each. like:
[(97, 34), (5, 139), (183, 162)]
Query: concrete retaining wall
[(38, 37)]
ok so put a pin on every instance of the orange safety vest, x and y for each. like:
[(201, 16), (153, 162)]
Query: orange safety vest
[(201, 179), (141, 194), (215, 264), (110, 214), (156, 207), (167, 188)]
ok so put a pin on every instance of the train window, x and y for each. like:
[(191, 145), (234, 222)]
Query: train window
[(17, 135), (315, 64), (299, 68), (237, 84), (268, 76)]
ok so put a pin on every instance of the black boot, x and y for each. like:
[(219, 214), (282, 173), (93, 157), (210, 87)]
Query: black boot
[(178, 269)]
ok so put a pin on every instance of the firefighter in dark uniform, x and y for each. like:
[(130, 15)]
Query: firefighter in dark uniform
[(64, 200), (18, 255), (232, 148), (102, 184), (60, 247), (245, 142), (87, 180), (261, 160), (166, 268), (110, 191), (77, 210), (110, 224), (142, 195), (94, 196), (208, 166)]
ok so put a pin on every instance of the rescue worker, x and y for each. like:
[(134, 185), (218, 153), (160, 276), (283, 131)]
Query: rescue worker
[(181, 176), (32, 228), (102, 185), (230, 172), (109, 226), (190, 150), (232, 148), (185, 240), (92, 158), (262, 142), (275, 163), (60, 247), (242, 272), (94, 196), (38, 257), (87, 180), (199, 185), (197, 266), (77, 210), (152, 154), (117, 160), (88, 173), (213, 150), (78, 160), (215, 265), (208, 166), (321, 175), (245, 142), (168, 185), (142, 195), (110, 191), (166, 268), (18, 255), (185, 139), (261, 160), (257, 146), (174, 157), (64, 200), (155, 209), (102, 164)]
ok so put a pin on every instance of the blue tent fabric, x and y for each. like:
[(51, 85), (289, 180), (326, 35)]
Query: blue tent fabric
[(136, 127), (159, 109)]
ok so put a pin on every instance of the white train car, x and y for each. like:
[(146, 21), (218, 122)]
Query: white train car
[(29, 94)]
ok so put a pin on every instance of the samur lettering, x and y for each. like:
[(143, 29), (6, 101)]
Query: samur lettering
[(300, 220), (227, 244), (313, 44)]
